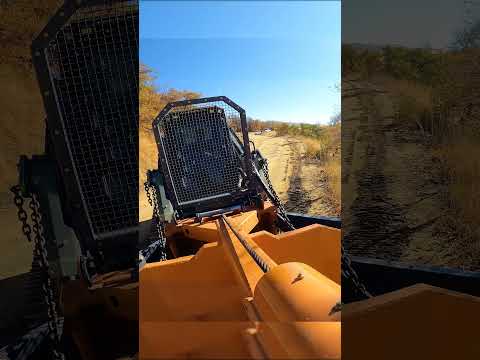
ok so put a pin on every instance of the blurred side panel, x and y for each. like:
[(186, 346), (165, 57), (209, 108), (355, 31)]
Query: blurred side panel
[(410, 145)]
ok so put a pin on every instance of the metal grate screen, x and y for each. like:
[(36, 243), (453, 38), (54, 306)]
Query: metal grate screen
[(199, 154), (93, 66)]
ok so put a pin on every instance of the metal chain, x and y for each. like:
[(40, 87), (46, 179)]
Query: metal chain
[(42, 252), (276, 200), (347, 271), (161, 241), (22, 214), (41, 256)]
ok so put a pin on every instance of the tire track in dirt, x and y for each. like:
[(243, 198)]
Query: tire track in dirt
[(308, 190), (392, 193), (298, 199), (373, 225)]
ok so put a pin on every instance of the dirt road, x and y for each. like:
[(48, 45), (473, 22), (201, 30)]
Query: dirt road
[(300, 183), (393, 206)]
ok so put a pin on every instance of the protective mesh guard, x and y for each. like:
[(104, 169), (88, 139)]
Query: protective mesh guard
[(93, 66), (198, 152)]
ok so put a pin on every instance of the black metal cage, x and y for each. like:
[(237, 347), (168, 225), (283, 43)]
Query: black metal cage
[(86, 61), (202, 160)]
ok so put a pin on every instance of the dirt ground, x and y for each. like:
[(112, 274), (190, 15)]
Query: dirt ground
[(393, 206), (22, 118), (300, 183), (21, 132)]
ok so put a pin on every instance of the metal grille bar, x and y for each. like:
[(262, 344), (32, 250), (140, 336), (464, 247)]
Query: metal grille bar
[(197, 154), (93, 68)]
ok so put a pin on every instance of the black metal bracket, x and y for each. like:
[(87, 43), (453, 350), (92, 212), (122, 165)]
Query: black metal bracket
[(38, 176), (74, 202), (245, 154), (382, 276)]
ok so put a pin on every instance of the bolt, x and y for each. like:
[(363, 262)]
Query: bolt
[(298, 278)]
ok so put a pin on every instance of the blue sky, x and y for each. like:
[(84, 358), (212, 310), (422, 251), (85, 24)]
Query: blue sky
[(278, 60)]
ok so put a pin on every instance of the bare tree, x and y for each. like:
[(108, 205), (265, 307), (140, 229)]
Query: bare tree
[(335, 119), (468, 37)]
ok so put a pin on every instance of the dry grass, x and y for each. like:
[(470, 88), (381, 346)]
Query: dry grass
[(398, 87), (461, 161), (148, 157), (324, 146), (413, 100), (334, 176), (326, 149), (313, 147), (320, 149)]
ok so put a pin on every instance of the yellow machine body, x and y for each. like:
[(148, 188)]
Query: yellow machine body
[(219, 303), (417, 322)]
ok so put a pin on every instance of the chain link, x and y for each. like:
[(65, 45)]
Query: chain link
[(276, 200), (347, 271), (161, 241), (22, 214), (41, 256)]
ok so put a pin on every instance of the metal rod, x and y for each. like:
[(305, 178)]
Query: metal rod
[(218, 211), (262, 263)]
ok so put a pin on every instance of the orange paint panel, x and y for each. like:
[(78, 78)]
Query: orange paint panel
[(200, 287), (207, 231), (295, 292), (246, 222), (203, 232), (300, 340), (200, 306), (193, 340), (432, 323), (315, 245)]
